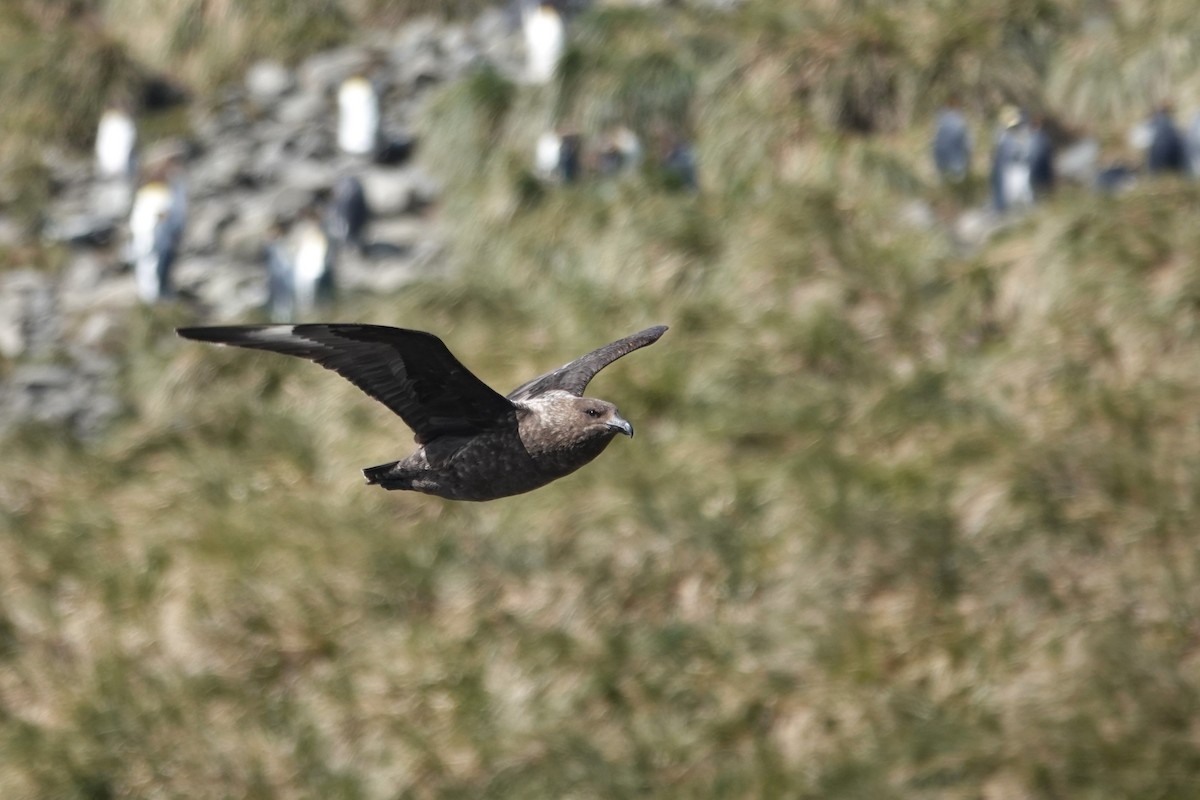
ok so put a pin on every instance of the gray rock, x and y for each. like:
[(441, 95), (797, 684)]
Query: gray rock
[(417, 33), (161, 152), (377, 276), (66, 172), (399, 191), (78, 396), (41, 392), (1079, 162), (95, 328), (268, 80), (312, 142), (454, 38), (303, 108), (398, 234), (111, 199), (308, 175), (90, 282), (286, 205), (324, 71), (420, 68), (245, 236), (270, 157), (493, 25), (12, 233), (230, 118), (29, 319), (80, 279), (495, 35), (223, 167), (207, 223), (460, 51), (231, 290), (90, 230), (426, 189)]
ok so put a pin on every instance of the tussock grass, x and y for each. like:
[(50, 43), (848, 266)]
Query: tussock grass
[(1158, 56), (897, 521), (627, 66)]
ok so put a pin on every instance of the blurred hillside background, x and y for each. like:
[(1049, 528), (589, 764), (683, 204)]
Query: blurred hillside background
[(904, 518)]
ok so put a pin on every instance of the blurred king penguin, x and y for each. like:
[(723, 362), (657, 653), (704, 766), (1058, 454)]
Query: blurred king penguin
[(116, 138), (545, 38), (348, 212), (620, 152), (1165, 150), (557, 156), (156, 225), (952, 144), (312, 265), (1042, 172), (281, 279), (358, 116), (1010, 176)]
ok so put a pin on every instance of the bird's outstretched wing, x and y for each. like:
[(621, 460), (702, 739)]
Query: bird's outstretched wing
[(574, 377), (411, 372)]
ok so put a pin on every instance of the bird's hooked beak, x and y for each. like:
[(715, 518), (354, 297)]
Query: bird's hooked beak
[(619, 423)]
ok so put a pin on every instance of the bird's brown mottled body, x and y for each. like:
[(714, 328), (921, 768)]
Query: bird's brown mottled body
[(474, 444)]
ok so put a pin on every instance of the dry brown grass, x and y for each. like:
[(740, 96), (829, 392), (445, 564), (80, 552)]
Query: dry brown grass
[(897, 522)]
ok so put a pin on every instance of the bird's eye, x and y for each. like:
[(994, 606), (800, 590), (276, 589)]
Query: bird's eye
[(591, 412)]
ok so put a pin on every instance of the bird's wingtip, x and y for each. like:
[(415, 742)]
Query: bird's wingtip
[(233, 334), (214, 333)]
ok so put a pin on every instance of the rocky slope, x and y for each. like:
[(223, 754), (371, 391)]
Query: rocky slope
[(261, 154)]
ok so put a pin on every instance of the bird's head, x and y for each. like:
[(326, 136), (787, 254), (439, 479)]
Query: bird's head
[(601, 416), (562, 422)]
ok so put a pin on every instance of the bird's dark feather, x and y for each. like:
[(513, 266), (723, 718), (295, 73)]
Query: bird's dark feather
[(411, 372), (575, 376)]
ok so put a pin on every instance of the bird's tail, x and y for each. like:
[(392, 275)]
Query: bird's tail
[(387, 476)]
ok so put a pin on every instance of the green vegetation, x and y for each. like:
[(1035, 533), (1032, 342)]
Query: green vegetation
[(898, 522)]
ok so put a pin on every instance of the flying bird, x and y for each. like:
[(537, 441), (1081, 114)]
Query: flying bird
[(473, 443)]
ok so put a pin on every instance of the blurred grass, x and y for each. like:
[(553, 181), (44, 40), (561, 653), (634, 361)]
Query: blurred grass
[(897, 522)]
